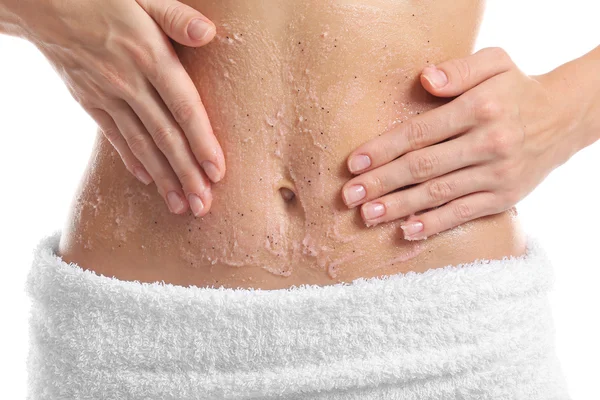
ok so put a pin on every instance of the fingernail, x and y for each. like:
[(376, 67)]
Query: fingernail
[(211, 170), (354, 193), (436, 77), (142, 175), (198, 29), (373, 210), (175, 202), (195, 203), (359, 162), (411, 228)]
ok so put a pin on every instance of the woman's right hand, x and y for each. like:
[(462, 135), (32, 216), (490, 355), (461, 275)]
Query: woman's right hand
[(118, 63)]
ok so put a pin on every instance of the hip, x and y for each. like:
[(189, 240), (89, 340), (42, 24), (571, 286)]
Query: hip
[(254, 236)]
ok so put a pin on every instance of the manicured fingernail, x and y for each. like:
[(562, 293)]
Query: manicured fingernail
[(354, 193), (175, 202), (411, 229), (195, 203), (359, 162), (373, 210), (436, 77), (142, 175), (211, 170), (198, 29)]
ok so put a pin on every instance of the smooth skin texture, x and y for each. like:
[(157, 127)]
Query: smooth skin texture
[(481, 153), (116, 59)]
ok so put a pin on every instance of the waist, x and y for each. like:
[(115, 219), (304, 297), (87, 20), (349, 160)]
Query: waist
[(287, 110), (253, 236)]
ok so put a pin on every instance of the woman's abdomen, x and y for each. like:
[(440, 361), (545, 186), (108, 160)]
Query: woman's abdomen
[(291, 88)]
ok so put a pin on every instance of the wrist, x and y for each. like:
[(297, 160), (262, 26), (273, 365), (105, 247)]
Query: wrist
[(574, 91)]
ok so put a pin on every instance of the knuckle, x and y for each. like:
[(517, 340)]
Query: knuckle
[(421, 167), (163, 137), (183, 111), (138, 144), (377, 185), (172, 16), (393, 204), (439, 191), (462, 211), (387, 150), (132, 165), (80, 97), (112, 135), (463, 69), (499, 143), (117, 82), (387, 153), (417, 134), (144, 57), (186, 178), (488, 109)]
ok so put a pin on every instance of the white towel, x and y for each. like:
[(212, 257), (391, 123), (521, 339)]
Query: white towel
[(482, 330)]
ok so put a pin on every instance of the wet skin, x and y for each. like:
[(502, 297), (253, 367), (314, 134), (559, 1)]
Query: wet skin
[(291, 88)]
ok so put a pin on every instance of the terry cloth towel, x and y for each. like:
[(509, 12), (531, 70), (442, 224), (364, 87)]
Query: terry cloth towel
[(482, 330)]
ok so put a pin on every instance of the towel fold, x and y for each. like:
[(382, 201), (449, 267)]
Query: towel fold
[(481, 330)]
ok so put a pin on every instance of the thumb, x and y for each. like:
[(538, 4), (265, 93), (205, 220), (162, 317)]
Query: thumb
[(180, 22), (454, 77)]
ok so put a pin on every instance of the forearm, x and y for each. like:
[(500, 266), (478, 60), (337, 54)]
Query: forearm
[(591, 120), (575, 88)]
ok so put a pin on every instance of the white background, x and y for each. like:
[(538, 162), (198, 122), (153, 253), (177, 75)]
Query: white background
[(46, 140)]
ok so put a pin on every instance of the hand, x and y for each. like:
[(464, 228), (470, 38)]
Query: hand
[(476, 155), (122, 69)]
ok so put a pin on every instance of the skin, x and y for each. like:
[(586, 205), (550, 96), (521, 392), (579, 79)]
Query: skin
[(478, 155), (118, 63), (291, 92)]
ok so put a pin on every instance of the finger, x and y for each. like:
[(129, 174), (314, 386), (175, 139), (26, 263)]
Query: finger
[(456, 76), (169, 139), (418, 166), (180, 22), (181, 97), (427, 195), (450, 215), (431, 127), (169, 183), (113, 135)]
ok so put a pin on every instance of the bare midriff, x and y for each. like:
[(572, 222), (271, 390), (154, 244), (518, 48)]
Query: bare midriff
[(291, 88)]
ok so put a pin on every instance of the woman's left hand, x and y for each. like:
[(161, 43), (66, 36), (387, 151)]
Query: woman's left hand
[(476, 155)]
